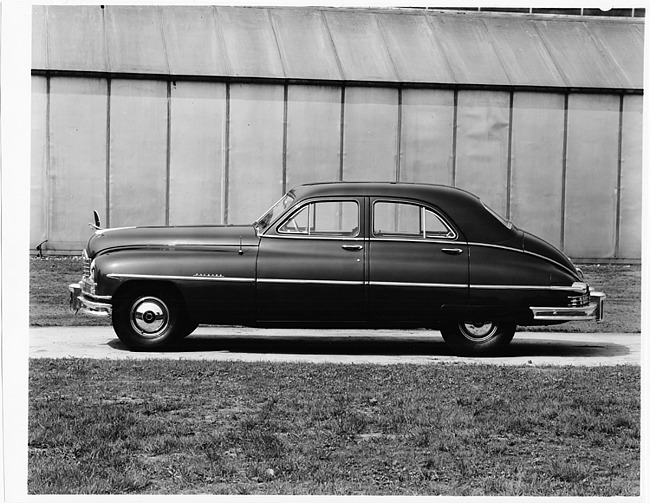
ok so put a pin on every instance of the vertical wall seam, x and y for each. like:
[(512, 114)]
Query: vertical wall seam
[(226, 160), (454, 139), (48, 160), (565, 141), (285, 131), (398, 159), (48, 147), (619, 179), (509, 161), (168, 159), (109, 84), (342, 134)]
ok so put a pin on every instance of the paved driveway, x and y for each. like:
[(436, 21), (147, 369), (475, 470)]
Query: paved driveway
[(341, 346)]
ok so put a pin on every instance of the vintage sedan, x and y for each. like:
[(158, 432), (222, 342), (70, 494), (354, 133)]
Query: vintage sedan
[(337, 254)]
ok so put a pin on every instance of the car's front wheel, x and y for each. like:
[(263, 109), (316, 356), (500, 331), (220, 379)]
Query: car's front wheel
[(146, 319), (476, 338)]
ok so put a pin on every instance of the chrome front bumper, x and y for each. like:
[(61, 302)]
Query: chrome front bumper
[(87, 304), (593, 311)]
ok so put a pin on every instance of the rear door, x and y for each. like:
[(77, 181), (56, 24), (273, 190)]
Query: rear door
[(418, 262), (310, 266)]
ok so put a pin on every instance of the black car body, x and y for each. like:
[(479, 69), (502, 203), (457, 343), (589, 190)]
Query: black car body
[(338, 254)]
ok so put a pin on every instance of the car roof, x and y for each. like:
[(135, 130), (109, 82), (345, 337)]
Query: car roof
[(463, 208)]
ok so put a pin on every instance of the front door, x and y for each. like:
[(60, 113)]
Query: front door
[(311, 265)]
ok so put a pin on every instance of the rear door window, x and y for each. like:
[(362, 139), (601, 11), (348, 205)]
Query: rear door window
[(409, 220)]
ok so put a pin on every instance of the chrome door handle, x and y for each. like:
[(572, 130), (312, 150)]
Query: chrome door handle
[(352, 247), (452, 251)]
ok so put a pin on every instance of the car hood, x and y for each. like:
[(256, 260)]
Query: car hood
[(538, 246), (171, 237)]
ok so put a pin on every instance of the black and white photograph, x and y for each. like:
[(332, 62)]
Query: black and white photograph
[(356, 250)]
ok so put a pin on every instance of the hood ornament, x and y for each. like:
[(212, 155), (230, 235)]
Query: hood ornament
[(97, 225)]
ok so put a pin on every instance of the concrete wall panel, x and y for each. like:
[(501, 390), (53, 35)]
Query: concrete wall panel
[(522, 52), (469, 50), (75, 37), (370, 134), (360, 46), (537, 164), (138, 153), (305, 45), (427, 138), (255, 169), (39, 195), (580, 57), (250, 42), (134, 39), (416, 55), (192, 42), (77, 157), (313, 134), (39, 36), (198, 117), (482, 146), (591, 175), (631, 177)]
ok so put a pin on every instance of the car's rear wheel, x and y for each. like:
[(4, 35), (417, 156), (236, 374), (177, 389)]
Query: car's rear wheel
[(149, 318), (476, 338)]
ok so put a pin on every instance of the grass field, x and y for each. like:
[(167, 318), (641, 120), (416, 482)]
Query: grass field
[(98, 426), (190, 427)]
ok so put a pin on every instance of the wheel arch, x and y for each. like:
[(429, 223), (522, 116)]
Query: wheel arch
[(129, 286)]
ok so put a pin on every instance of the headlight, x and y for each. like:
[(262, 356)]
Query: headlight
[(580, 274)]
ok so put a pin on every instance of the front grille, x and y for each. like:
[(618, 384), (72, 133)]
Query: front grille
[(86, 269)]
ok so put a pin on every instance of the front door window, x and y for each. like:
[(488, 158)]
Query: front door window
[(324, 218)]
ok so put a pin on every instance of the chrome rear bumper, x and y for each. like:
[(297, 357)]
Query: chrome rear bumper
[(593, 311), (87, 304)]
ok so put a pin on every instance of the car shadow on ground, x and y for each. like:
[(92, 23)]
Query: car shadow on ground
[(386, 346)]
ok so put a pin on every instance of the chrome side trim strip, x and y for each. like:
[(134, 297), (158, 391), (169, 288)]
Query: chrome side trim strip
[(396, 239), (342, 282), (310, 281), (529, 287), (422, 285), (182, 278), (313, 237)]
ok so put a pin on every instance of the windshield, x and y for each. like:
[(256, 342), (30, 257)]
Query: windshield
[(505, 222), (262, 223)]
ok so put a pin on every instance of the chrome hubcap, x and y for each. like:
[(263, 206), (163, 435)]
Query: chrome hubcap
[(149, 316), (478, 330)]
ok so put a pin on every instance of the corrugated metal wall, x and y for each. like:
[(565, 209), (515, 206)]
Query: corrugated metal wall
[(158, 136)]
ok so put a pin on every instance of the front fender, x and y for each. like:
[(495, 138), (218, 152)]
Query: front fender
[(217, 284)]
